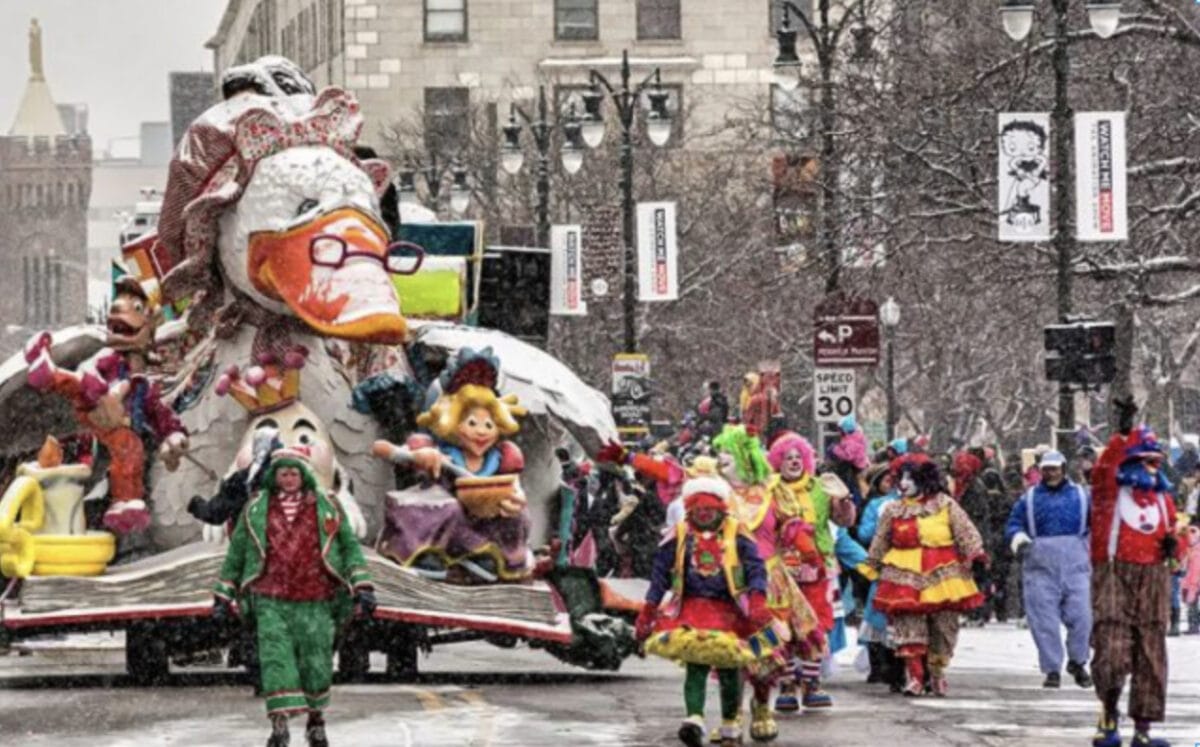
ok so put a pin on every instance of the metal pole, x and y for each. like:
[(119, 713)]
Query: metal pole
[(1064, 235), (627, 108), (891, 390), (541, 136), (830, 168)]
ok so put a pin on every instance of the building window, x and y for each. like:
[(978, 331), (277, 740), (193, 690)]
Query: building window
[(445, 20), (659, 19), (576, 20), (447, 119), (776, 15)]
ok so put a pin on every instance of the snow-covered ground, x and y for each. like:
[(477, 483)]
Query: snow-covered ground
[(474, 694)]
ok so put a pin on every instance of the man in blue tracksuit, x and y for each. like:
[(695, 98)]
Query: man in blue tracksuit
[(1048, 526)]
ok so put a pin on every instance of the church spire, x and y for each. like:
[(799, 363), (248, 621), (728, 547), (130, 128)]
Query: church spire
[(37, 115)]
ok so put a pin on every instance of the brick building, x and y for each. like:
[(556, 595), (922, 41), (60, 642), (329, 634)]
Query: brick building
[(45, 184)]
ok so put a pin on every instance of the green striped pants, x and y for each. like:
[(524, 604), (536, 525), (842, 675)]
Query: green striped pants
[(295, 654)]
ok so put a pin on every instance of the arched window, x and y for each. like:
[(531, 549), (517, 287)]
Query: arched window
[(39, 199), (58, 194), (71, 193)]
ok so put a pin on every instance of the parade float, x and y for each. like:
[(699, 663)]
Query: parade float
[(280, 294)]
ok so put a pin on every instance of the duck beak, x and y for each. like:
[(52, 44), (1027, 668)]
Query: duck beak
[(331, 273)]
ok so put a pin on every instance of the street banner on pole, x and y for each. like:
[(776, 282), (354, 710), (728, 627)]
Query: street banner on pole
[(631, 395), (1100, 194), (566, 271), (1024, 177), (658, 252)]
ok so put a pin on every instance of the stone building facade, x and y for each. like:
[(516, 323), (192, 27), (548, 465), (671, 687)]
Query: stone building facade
[(45, 185), (443, 56)]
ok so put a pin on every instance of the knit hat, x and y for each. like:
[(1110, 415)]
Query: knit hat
[(848, 424), (705, 492), (899, 445)]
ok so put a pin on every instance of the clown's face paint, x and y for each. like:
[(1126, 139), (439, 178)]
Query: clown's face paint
[(706, 517), (792, 467), (908, 487)]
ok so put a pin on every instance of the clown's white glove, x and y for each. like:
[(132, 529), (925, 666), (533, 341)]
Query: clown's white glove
[(1019, 540)]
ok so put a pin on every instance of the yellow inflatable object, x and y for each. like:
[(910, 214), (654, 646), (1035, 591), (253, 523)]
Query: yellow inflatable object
[(23, 498), (25, 553), (73, 555)]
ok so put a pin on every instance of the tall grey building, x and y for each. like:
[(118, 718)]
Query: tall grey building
[(45, 183)]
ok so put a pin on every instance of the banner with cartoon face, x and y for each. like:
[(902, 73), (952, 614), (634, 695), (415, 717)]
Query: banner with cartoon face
[(1024, 177)]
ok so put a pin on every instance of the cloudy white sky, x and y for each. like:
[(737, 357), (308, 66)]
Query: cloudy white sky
[(113, 55)]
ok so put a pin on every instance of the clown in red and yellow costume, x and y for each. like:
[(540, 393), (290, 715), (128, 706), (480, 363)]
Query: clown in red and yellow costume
[(924, 550), (1132, 528), (717, 617)]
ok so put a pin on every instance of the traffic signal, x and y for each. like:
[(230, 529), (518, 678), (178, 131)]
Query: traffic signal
[(1082, 353)]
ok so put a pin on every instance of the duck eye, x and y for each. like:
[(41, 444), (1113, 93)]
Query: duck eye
[(305, 206)]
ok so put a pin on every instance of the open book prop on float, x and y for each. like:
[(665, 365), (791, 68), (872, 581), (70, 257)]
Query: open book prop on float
[(42, 528), (472, 525)]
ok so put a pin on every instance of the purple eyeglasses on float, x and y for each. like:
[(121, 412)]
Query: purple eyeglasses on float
[(401, 258)]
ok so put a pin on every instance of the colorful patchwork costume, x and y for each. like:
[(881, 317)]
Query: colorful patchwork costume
[(717, 617), (923, 550)]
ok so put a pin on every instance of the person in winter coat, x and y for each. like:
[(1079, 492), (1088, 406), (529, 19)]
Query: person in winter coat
[(849, 457), (1191, 577), (1133, 537), (885, 667), (972, 495), (1048, 528)]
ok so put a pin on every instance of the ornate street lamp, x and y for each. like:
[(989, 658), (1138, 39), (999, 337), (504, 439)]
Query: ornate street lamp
[(626, 99)]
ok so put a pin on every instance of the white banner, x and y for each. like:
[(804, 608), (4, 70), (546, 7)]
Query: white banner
[(1100, 193), (566, 271), (1024, 177), (658, 252)]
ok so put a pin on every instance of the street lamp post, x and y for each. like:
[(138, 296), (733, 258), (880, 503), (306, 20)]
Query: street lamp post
[(889, 315), (1105, 17), (658, 130), (460, 191), (788, 68), (512, 157)]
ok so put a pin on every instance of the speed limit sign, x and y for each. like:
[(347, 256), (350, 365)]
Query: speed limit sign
[(833, 394)]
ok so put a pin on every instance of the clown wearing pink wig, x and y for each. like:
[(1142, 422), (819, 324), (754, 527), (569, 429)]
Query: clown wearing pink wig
[(808, 552)]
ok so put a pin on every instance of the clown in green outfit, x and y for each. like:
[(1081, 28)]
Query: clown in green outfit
[(296, 568)]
